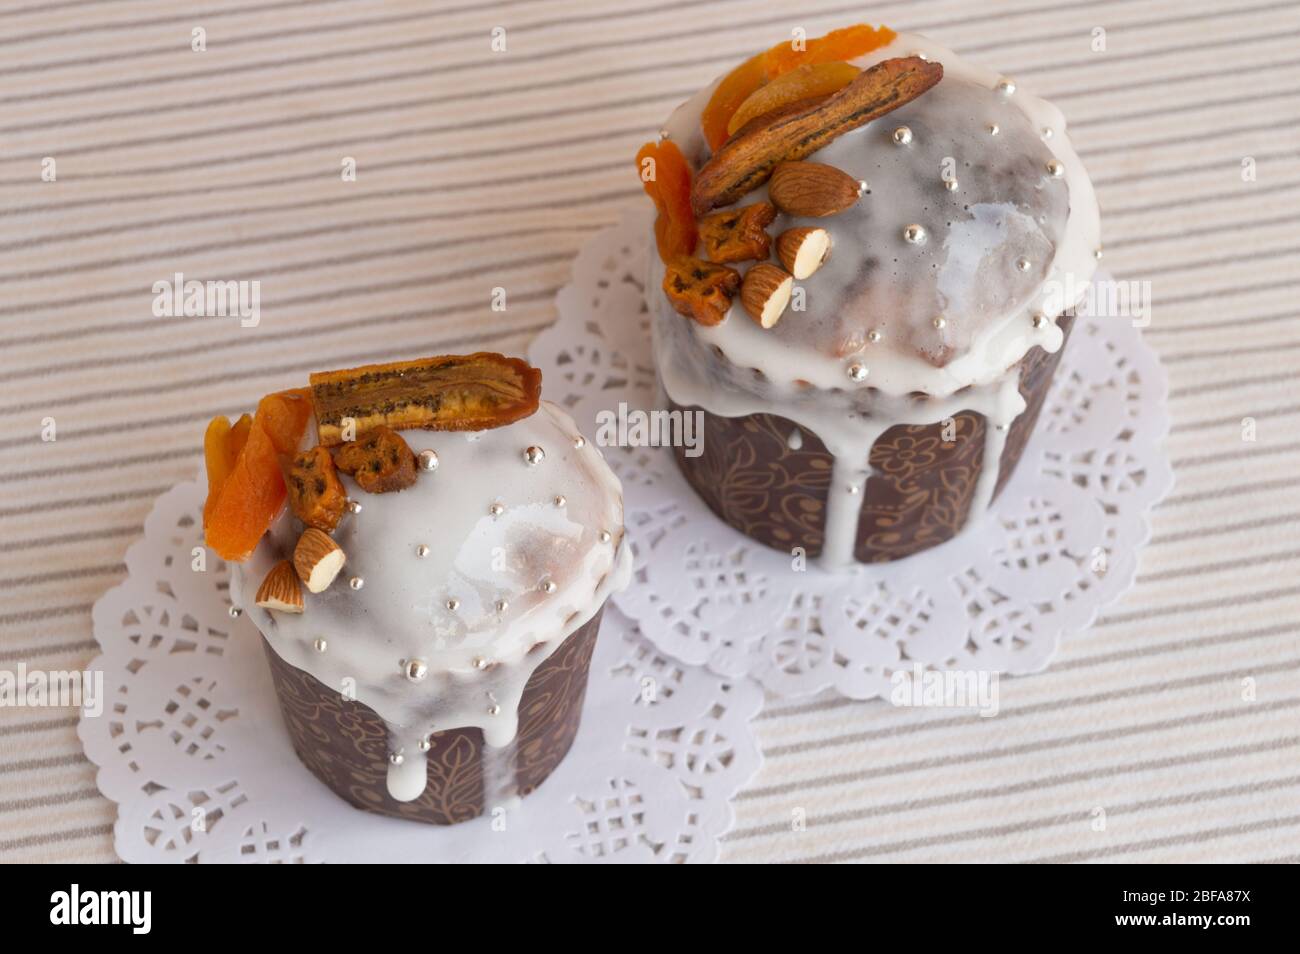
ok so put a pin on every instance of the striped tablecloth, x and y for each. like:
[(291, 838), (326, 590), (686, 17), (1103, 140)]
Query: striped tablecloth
[(478, 169)]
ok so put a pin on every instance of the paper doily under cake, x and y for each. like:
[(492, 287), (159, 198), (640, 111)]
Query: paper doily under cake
[(1060, 542), (191, 746)]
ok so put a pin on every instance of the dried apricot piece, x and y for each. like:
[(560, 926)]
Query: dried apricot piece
[(222, 444), (847, 43), (316, 495), (380, 463), (239, 511), (666, 178), (802, 82), (238, 436), (734, 88), (738, 235), (699, 289), (452, 392)]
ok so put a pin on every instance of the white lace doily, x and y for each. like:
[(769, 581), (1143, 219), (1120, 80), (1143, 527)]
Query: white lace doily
[(192, 748), (1060, 542)]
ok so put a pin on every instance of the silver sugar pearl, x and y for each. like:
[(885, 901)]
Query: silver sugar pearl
[(1040, 320), (994, 129), (1097, 255), (950, 185), (873, 336), (560, 500), (426, 744), (321, 644), (914, 234), (1047, 132), (940, 322), (496, 510), (356, 582), (606, 536), (579, 442), (397, 758), (852, 489), (902, 136), (416, 669), (857, 372), (1005, 86), (548, 586), (502, 606), (1023, 264), (479, 662), (453, 604), (1055, 169), (494, 709), (534, 456), (422, 551), (428, 460), (235, 612), (354, 506)]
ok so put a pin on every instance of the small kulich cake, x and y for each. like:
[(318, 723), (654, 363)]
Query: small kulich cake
[(430, 580), (869, 255)]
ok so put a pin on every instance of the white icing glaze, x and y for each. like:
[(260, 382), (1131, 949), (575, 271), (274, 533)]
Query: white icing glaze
[(1007, 206), (441, 608)]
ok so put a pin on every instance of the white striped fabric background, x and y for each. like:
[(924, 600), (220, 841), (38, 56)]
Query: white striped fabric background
[(478, 169)]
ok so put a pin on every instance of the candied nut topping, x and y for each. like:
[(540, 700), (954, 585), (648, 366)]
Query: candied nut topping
[(738, 235), (747, 159), (380, 463), (316, 495), (699, 289)]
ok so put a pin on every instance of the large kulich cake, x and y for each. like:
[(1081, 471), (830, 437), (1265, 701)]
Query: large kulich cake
[(429, 599), (865, 286)]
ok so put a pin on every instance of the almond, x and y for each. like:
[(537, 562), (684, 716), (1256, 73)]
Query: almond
[(803, 250), (765, 292), (281, 590), (812, 189), (317, 559)]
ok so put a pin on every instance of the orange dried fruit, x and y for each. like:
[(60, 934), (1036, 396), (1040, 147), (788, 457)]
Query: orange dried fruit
[(316, 495), (699, 289), (847, 43), (738, 235), (453, 392), (380, 463), (802, 82), (734, 88), (241, 508), (666, 178), (239, 436), (222, 445)]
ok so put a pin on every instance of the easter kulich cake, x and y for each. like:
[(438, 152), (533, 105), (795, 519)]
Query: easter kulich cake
[(869, 252), (426, 548)]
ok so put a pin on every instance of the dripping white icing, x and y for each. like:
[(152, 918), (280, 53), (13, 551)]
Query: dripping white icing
[(442, 607), (985, 272)]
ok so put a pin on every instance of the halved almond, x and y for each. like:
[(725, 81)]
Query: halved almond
[(803, 250), (281, 590), (317, 559), (765, 292)]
